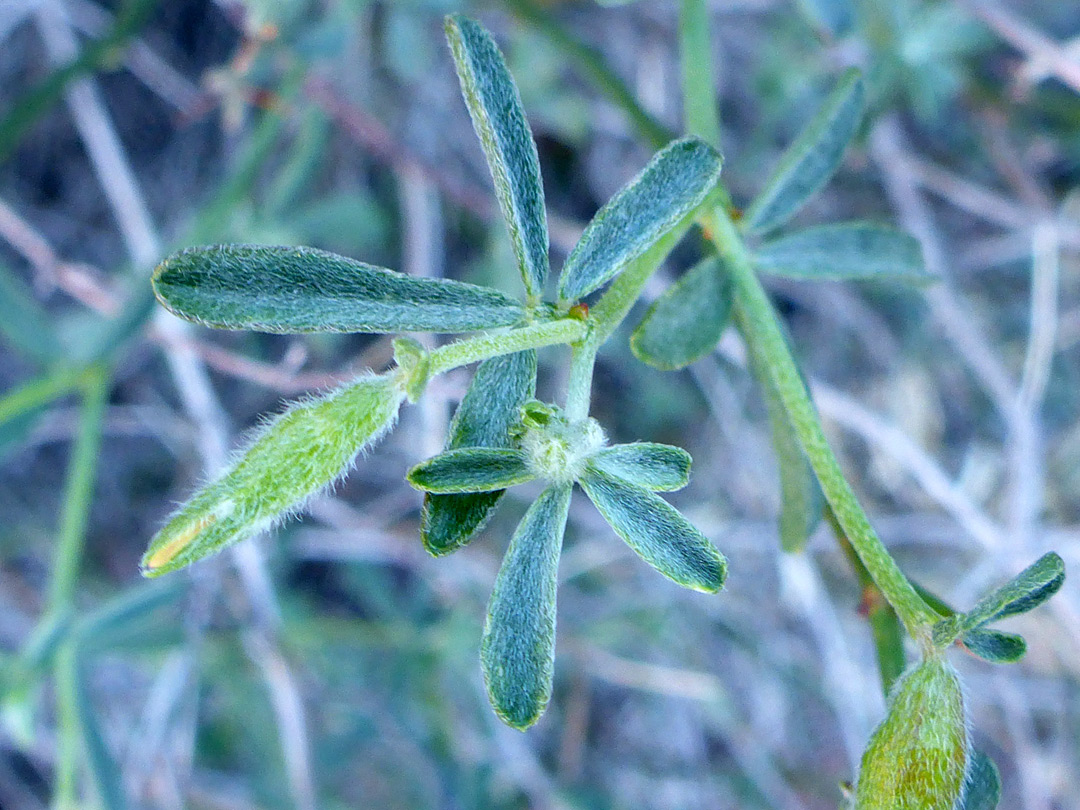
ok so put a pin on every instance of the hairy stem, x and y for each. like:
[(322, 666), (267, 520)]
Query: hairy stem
[(535, 336)]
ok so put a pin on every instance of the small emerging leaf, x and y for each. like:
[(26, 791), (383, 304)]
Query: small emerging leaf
[(294, 456), (288, 290), (983, 788), (995, 646), (490, 408), (1024, 592), (668, 190), (518, 648), (656, 530), (849, 250), (686, 322), (495, 107), (812, 159), (471, 469), (659, 467)]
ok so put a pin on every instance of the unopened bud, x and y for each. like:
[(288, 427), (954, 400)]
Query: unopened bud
[(917, 757)]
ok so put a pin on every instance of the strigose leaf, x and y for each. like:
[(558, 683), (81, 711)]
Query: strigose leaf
[(287, 289), (471, 469), (495, 107), (668, 190), (659, 467)]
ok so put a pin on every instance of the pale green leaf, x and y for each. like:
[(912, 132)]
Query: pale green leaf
[(292, 457), (490, 408), (686, 322), (517, 653), (24, 322), (287, 289), (496, 110), (659, 467), (812, 159), (674, 184), (471, 469), (849, 250), (100, 762), (656, 530)]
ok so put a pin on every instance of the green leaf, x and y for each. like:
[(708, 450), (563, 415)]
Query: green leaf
[(686, 322), (287, 289), (471, 469), (808, 163), (850, 250), (668, 190), (1024, 592), (497, 115), (517, 653), (490, 408), (291, 458), (655, 530), (659, 467), (24, 322), (995, 646), (102, 766), (982, 791)]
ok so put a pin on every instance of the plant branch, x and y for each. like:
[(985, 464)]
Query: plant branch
[(534, 336)]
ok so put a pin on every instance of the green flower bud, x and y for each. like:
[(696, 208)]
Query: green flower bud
[(556, 449), (917, 757)]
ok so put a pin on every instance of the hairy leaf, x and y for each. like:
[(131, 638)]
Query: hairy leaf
[(812, 159), (686, 322), (659, 467), (850, 250), (471, 469), (995, 646), (517, 653), (490, 408), (292, 457), (495, 107), (287, 289), (668, 190), (655, 530), (1024, 592)]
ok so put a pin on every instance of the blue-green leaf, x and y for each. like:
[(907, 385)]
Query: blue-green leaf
[(686, 322), (655, 530), (850, 250), (982, 790), (667, 192), (517, 653), (100, 762), (495, 107), (995, 646), (659, 467), (490, 408), (1024, 592), (812, 159), (24, 322), (287, 289), (291, 458), (471, 469)]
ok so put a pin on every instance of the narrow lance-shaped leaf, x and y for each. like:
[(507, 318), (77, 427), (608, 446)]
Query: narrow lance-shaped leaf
[(655, 530), (671, 187), (686, 322), (995, 646), (518, 648), (496, 110), (982, 791), (471, 469), (659, 467), (100, 763), (287, 289), (849, 250), (1024, 592), (490, 408), (294, 456), (812, 159)]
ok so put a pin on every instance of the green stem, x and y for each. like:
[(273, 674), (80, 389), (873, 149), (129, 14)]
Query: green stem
[(579, 388), (78, 493), (535, 336), (65, 779), (40, 391), (764, 330), (695, 53)]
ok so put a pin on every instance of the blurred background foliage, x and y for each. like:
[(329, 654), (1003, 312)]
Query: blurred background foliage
[(335, 664)]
